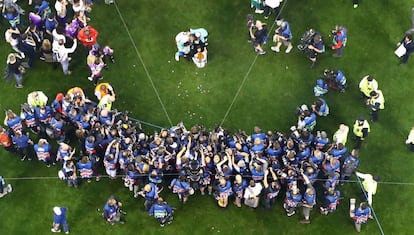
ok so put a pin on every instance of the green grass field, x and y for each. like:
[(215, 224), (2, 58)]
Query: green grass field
[(236, 89)]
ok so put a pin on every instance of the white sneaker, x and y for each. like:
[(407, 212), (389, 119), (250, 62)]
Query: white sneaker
[(177, 56), (289, 49), (9, 188), (54, 230), (90, 79), (275, 49), (258, 11)]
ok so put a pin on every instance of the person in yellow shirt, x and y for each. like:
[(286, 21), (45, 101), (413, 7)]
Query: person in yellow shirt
[(103, 89), (375, 102), (369, 185), (368, 84), (37, 99), (361, 130)]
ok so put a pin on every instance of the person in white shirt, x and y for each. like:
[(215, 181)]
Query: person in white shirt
[(272, 5), (410, 140), (251, 194), (61, 54)]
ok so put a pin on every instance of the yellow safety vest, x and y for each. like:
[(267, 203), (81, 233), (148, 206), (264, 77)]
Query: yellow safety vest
[(379, 99), (358, 129)]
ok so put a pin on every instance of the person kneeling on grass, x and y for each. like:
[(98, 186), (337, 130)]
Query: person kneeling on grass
[(162, 212), (4, 188), (112, 211)]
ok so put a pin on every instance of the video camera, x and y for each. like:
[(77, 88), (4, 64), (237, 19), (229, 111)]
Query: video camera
[(306, 39)]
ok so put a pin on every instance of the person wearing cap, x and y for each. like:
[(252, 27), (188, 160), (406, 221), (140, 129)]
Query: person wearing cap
[(14, 66), (339, 40), (112, 211), (162, 212), (283, 35), (368, 84), (272, 5), (259, 36), (369, 185), (361, 215), (408, 44), (361, 130), (376, 103), (60, 220)]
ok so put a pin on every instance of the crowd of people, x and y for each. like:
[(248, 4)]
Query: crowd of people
[(49, 34), (252, 169)]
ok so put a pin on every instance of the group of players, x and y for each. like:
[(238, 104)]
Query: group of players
[(192, 45)]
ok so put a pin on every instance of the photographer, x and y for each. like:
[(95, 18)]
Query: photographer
[(315, 48), (259, 36), (282, 35)]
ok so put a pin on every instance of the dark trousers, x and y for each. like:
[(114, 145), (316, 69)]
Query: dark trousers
[(355, 1), (405, 57), (267, 11), (374, 115)]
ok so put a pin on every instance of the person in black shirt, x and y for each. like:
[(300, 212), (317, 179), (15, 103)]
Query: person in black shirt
[(14, 62)]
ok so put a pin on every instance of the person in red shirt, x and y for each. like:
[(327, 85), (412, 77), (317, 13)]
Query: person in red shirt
[(6, 141), (88, 36)]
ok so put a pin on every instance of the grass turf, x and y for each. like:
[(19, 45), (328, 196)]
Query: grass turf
[(269, 88)]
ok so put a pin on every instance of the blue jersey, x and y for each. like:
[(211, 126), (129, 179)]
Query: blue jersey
[(160, 210), (238, 189), (340, 78), (361, 215), (257, 175), (60, 219), (310, 121), (333, 200), (57, 126), (22, 141), (293, 200), (110, 211), (180, 187), (320, 143), (285, 31), (42, 152), (225, 190), (85, 169), (15, 124), (152, 194), (303, 154), (309, 199), (338, 153), (29, 119), (44, 117)]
